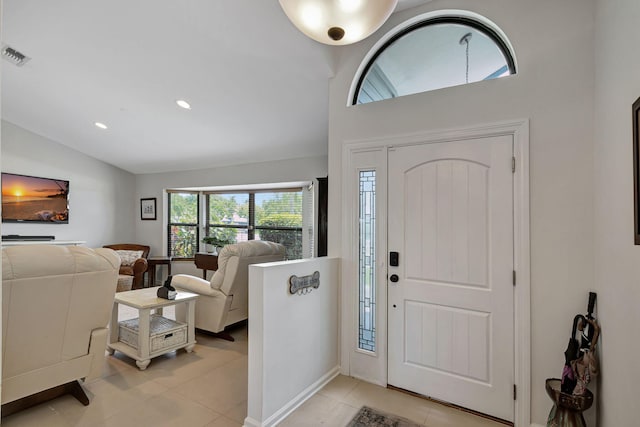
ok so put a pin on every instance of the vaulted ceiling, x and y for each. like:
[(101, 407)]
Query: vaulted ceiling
[(258, 88)]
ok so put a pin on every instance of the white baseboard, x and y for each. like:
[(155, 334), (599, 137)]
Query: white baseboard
[(294, 403), (250, 422), (536, 425)]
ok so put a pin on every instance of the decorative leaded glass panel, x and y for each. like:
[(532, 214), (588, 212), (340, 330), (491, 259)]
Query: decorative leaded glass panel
[(367, 261)]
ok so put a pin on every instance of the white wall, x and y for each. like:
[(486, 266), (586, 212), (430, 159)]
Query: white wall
[(617, 258), (104, 201), (101, 196), (153, 185), (553, 42), (293, 339)]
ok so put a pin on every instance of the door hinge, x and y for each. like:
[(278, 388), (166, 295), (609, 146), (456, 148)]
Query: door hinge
[(515, 394), (513, 164), (514, 277)]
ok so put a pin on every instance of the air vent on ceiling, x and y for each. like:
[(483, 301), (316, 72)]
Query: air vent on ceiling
[(13, 56)]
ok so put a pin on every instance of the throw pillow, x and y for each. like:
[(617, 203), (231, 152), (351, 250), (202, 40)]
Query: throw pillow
[(127, 258)]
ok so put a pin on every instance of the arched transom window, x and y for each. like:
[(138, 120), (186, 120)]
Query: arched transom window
[(433, 54)]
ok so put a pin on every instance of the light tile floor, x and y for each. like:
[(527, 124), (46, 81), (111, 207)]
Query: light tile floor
[(208, 388)]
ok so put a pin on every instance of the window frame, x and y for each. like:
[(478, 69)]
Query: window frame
[(171, 224), (460, 20), (207, 226), (252, 227)]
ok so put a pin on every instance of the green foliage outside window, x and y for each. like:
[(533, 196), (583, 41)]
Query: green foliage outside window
[(278, 218), (183, 225), (221, 236), (289, 203), (284, 228), (221, 208), (184, 208), (184, 241)]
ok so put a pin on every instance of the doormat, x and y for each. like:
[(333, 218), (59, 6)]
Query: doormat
[(369, 417)]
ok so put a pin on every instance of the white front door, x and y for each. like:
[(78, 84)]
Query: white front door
[(451, 310)]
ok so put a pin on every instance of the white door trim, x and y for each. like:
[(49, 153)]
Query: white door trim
[(519, 129)]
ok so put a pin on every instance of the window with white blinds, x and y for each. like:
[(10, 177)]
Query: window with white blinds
[(183, 225), (279, 214)]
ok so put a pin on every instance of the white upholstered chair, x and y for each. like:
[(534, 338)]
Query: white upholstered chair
[(56, 306), (224, 300)]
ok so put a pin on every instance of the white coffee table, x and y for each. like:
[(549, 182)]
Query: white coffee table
[(146, 300)]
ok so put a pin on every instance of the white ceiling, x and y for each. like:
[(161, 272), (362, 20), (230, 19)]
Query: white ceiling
[(258, 88)]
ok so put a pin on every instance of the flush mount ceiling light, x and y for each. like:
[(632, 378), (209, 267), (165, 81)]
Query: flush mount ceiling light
[(100, 125), (184, 104), (338, 22)]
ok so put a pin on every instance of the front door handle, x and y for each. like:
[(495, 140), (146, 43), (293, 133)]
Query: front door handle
[(394, 278)]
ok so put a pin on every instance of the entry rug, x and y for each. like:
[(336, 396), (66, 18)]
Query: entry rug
[(369, 417)]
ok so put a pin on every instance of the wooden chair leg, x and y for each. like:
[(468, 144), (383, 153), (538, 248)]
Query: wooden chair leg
[(73, 388), (222, 335)]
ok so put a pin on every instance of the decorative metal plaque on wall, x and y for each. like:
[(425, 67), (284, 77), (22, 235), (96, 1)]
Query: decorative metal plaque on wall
[(304, 284)]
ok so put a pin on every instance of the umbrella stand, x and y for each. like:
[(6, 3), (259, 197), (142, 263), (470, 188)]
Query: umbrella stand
[(567, 408), (570, 394)]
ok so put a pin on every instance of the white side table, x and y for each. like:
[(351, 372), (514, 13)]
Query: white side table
[(146, 300)]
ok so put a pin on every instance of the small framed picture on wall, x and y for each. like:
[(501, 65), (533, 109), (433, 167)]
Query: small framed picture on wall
[(148, 209), (636, 174)]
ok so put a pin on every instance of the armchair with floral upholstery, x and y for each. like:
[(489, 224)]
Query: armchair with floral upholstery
[(133, 264)]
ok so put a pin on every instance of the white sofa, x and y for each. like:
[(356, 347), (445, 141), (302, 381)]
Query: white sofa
[(225, 299), (56, 306)]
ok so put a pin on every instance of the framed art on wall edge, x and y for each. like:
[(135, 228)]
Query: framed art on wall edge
[(148, 208)]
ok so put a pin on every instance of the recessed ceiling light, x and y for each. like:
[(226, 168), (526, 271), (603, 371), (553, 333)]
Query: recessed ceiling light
[(184, 104), (100, 125)]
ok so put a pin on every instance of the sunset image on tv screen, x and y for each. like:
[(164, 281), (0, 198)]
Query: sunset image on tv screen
[(27, 198)]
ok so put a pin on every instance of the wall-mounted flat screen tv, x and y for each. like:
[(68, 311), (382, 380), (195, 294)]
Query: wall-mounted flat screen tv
[(34, 199)]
